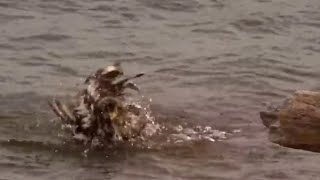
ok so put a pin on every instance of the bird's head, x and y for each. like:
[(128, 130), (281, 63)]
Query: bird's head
[(111, 72)]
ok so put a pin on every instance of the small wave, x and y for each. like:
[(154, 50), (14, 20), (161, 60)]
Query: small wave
[(104, 8), (213, 31), (7, 47), (43, 37), (5, 78), (6, 4), (39, 58), (185, 72), (8, 17), (104, 54), (312, 49), (173, 5), (66, 148), (195, 24), (62, 70), (264, 25), (57, 69)]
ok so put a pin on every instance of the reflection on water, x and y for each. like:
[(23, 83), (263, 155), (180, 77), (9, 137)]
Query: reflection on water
[(210, 67)]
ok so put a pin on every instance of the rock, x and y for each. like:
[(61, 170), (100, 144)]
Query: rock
[(296, 123)]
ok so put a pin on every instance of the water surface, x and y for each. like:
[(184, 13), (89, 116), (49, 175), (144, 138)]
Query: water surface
[(210, 63)]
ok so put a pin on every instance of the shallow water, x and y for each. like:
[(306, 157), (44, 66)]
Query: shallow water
[(210, 63)]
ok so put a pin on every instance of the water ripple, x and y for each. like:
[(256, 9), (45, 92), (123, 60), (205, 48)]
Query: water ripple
[(264, 25), (8, 18), (103, 54), (212, 63), (173, 5), (42, 37)]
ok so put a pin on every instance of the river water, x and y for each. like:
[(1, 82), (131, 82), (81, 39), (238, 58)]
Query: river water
[(213, 63)]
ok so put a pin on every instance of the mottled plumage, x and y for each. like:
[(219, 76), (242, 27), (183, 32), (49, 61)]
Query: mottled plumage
[(100, 112)]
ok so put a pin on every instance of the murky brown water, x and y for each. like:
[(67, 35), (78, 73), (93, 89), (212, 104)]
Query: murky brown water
[(208, 62)]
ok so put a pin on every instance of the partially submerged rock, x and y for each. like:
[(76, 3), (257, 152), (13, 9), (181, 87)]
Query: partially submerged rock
[(296, 123)]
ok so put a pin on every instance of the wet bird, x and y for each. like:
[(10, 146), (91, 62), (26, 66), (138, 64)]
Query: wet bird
[(100, 112), (104, 82)]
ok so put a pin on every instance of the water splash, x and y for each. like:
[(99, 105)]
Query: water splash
[(155, 134), (151, 126), (183, 134)]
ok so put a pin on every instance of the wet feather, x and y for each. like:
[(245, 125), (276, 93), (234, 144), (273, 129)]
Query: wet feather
[(100, 112)]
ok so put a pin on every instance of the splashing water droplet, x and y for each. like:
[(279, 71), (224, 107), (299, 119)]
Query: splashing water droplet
[(85, 153)]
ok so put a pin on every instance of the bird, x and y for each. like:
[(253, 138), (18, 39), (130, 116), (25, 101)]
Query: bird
[(100, 112)]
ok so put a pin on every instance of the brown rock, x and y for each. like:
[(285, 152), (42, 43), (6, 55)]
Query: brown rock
[(296, 123)]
